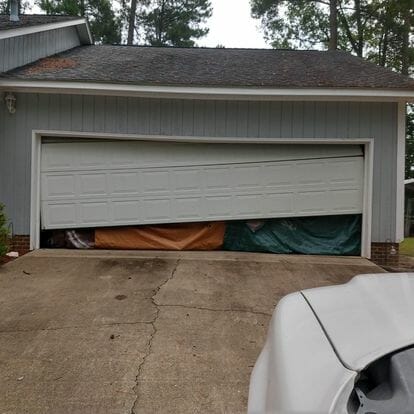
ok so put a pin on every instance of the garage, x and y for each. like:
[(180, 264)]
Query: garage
[(102, 183), (197, 135), (181, 195)]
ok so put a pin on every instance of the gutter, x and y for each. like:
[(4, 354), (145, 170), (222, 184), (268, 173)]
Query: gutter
[(216, 93)]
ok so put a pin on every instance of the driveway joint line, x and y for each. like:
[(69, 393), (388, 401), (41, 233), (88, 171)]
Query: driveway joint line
[(152, 335)]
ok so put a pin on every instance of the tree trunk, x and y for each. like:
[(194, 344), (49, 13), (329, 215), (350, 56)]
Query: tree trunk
[(333, 25), (360, 31), (160, 24), (82, 7), (131, 22), (405, 47), (384, 48)]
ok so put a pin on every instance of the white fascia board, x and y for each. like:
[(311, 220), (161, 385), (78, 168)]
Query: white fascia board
[(21, 31), (184, 92)]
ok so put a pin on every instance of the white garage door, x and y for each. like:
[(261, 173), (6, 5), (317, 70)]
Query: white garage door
[(114, 183)]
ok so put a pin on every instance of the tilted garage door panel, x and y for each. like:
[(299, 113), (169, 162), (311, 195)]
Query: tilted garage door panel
[(92, 155), (123, 193)]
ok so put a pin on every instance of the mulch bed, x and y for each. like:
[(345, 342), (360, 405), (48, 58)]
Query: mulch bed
[(5, 259)]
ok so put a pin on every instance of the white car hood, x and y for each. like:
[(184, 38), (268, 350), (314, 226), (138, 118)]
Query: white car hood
[(370, 316)]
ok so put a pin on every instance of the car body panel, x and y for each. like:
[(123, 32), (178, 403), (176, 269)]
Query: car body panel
[(298, 371), (368, 317)]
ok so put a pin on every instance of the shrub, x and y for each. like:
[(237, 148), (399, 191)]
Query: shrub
[(4, 232)]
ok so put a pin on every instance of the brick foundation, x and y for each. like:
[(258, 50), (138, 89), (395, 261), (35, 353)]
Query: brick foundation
[(20, 243), (381, 254)]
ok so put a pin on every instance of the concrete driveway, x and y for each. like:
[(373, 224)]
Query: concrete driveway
[(130, 332)]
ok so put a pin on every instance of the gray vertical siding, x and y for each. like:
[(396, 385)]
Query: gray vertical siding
[(320, 120), (21, 50)]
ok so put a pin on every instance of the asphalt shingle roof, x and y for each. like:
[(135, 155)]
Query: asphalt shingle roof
[(31, 20), (213, 67)]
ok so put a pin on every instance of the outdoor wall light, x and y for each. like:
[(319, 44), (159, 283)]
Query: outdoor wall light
[(10, 100), (393, 250)]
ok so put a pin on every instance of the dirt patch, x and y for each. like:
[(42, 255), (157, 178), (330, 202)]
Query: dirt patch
[(52, 64)]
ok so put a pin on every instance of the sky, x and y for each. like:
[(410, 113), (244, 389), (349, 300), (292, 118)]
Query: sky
[(231, 25)]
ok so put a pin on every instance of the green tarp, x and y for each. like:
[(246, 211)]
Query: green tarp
[(329, 235)]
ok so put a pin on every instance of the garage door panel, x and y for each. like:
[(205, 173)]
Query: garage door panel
[(145, 194), (247, 177), (93, 184), (126, 211), (247, 205), (311, 202), (188, 208), (62, 215), (278, 175), (93, 213), (155, 210), (85, 154), (187, 180), (346, 171), (124, 182), (345, 200), (58, 186), (278, 204), (217, 178), (218, 207)]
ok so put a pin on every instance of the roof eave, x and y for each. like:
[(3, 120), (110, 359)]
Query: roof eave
[(81, 25), (198, 92)]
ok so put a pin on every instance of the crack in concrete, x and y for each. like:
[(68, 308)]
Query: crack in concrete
[(60, 328), (216, 310), (153, 333)]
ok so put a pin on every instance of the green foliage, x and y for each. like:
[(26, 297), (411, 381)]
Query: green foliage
[(291, 24), (372, 28), (105, 25), (4, 232), (172, 22)]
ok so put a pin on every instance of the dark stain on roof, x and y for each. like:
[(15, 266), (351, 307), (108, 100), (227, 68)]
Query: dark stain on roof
[(52, 63), (268, 68), (27, 20)]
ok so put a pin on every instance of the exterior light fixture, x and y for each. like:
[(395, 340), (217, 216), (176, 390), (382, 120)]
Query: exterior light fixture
[(392, 250), (10, 100)]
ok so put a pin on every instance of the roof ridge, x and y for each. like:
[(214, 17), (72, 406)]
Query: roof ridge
[(220, 48)]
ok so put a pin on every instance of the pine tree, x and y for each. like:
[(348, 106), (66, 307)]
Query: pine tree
[(104, 24), (167, 22)]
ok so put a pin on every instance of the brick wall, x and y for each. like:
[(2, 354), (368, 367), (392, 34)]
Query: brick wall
[(20, 243), (382, 254)]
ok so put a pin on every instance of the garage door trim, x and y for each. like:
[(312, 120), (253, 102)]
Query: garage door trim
[(36, 167)]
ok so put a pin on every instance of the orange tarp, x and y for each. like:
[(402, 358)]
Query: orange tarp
[(192, 236)]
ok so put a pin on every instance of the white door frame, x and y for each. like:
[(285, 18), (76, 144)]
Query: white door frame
[(37, 147)]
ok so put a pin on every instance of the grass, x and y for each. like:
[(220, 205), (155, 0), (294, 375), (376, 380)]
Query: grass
[(407, 246)]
